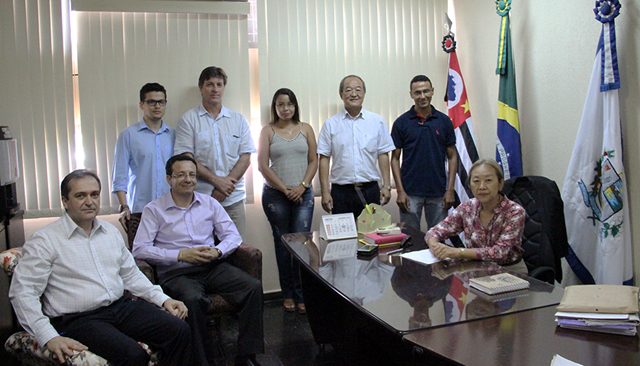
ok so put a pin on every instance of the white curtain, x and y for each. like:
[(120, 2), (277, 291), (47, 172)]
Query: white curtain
[(309, 46), (37, 98), (120, 51)]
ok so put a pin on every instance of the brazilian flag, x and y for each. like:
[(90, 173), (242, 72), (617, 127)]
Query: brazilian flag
[(508, 148)]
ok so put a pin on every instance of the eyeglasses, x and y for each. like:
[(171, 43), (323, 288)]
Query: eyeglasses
[(183, 175), (153, 102), (357, 90)]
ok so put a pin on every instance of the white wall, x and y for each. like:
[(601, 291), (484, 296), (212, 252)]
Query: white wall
[(554, 48)]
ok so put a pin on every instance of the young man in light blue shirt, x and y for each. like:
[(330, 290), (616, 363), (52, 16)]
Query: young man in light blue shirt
[(141, 152)]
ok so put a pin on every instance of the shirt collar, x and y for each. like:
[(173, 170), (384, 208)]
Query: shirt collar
[(163, 127), (167, 202), (360, 115), (224, 112), (414, 114), (501, 205), (70, 227), (496, 210)]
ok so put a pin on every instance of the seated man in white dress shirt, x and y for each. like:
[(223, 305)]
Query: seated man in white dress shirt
[(68, 288)]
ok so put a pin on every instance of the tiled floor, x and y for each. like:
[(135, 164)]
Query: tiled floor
[(288, 340)]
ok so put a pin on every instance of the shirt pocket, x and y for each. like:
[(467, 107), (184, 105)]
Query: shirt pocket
[(232, 145), (370, 143)]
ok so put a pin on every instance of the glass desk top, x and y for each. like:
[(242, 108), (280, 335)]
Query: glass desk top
[(405, 295)]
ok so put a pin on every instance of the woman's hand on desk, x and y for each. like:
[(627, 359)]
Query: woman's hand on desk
[(442, 251)]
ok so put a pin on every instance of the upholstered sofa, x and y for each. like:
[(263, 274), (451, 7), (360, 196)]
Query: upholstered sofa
[(24, 347)]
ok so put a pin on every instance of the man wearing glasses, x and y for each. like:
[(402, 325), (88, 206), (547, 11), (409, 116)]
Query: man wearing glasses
[(177, 234), (426, 139), (353, 140), (142, 150)]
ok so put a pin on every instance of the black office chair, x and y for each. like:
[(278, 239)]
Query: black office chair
[(545, 234)]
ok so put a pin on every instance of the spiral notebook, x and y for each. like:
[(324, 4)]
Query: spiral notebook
[(498, 283)]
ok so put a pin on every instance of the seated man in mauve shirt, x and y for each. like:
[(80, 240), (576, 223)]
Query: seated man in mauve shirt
[(176, 234)]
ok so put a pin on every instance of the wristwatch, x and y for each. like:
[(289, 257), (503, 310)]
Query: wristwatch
[(304, 184), (219, 252)]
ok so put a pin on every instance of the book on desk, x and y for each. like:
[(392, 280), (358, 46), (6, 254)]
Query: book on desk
[(382, 239), (499, 283)]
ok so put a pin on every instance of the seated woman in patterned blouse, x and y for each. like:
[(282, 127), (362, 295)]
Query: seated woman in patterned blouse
[(492, 224)]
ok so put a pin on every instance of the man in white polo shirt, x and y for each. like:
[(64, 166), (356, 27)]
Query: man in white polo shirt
[(220, 141), (355, 139)]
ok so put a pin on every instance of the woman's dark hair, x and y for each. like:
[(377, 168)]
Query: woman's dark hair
[(292, 98)]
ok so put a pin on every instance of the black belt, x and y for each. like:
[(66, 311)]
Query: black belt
[(360, 184)]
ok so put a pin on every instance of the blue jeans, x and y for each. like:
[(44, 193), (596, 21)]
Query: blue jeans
[(434, 211), (286, 217)]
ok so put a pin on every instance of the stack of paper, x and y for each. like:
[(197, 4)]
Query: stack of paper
[(600, 308)]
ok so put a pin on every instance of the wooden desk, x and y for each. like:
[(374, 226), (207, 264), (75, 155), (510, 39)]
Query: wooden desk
[(366, 307), (525, 338)]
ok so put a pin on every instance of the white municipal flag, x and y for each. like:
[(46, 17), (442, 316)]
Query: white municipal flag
[(595, 190)]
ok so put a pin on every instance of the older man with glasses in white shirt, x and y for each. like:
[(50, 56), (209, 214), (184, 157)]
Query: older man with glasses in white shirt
[(355, 139)]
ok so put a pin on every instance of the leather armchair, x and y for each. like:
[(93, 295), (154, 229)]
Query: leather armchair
[(545, 236), (246, 257)]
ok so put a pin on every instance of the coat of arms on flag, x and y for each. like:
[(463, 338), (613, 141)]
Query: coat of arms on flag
[(605, 197)]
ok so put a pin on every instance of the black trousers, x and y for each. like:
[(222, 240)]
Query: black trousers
[(346, 199), (113, 332), (191, 285)]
